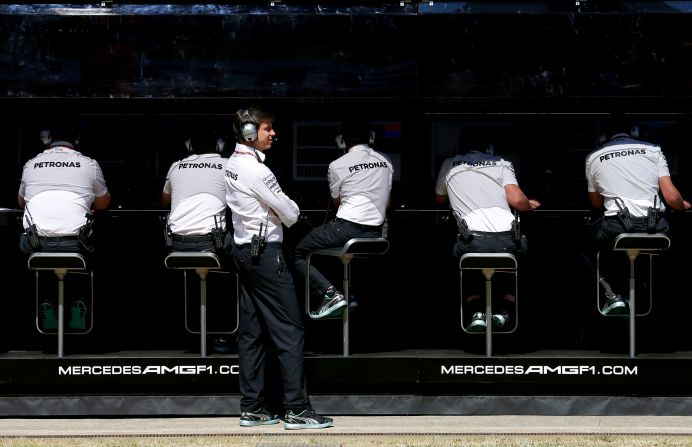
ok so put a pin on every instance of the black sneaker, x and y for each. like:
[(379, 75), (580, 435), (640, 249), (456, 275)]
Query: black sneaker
[(352, 304), (47, 315), (333, 302), (258, 417), (477, 323), (615, 305), (500, 320), (306, 419), (78, 312), (222, 345)]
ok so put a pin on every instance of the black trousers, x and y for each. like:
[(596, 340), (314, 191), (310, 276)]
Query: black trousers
[(603, 232), (269, 316), (332, 234), (51, 245), (502, 242)]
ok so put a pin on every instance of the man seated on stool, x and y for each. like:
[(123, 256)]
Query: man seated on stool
[(59, 189), (624, 178), (480, 188), (195, 189), (360, 183)]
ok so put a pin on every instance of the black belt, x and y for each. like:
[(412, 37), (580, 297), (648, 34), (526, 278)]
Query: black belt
[(359, 226), (192, 238), (57, 238), (493, 233), (633, 219), (266, 245)]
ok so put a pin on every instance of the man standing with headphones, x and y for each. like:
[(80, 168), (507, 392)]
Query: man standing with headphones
[(360, 183), (196, 192), (269, 312)]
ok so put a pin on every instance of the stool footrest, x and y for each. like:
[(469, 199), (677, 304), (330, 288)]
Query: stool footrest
[(352, 247), (60, 263)]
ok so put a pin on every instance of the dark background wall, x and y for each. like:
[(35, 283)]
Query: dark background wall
[(540, 75)]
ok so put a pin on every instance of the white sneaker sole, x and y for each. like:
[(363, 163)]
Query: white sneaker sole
[(256, 423), (288, 426), (477, 327), (617, 309), (329, 311)]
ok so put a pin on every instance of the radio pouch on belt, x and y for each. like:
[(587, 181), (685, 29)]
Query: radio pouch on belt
[(85, 236), (32, 232), (652, 215), (256, 244), (516, 230), (624, 215), (32, 235), (464, 232), (217, 236)]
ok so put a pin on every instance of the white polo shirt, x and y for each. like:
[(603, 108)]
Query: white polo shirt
[(255, 198), (198, 194), (475, 183), (628, 169), (59, 186), (362, 179)]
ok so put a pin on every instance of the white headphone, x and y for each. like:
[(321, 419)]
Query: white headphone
[(45, 137), (220, 144), (341, 143), (248, 129)]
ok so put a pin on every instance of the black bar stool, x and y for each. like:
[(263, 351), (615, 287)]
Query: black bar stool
[(356, 247), (202, 263), (489, 263), (634, 244), (61, 264)]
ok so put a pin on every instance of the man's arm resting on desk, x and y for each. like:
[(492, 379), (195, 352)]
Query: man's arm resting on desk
[(101, 203), (518, 200), (440, 199), (165, 200), (596, 200), (671, 194)]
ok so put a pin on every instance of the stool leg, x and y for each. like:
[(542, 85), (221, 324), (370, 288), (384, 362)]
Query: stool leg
[(633, 312), (488, 320), (61, 311), (488, 273), (346, 283), (203, 313)]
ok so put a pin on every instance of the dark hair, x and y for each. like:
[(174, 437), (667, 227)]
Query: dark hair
[(617, 123), (253, 115), (473, 138), (355, 131), (65, 129), (202, 139)]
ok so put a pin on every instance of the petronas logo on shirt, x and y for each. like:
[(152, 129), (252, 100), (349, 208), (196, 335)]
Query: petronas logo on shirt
[(187, 165), (57, 164), (622, 153)]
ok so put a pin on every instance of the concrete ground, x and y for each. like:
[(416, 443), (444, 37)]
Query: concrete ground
[(353, 425)]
